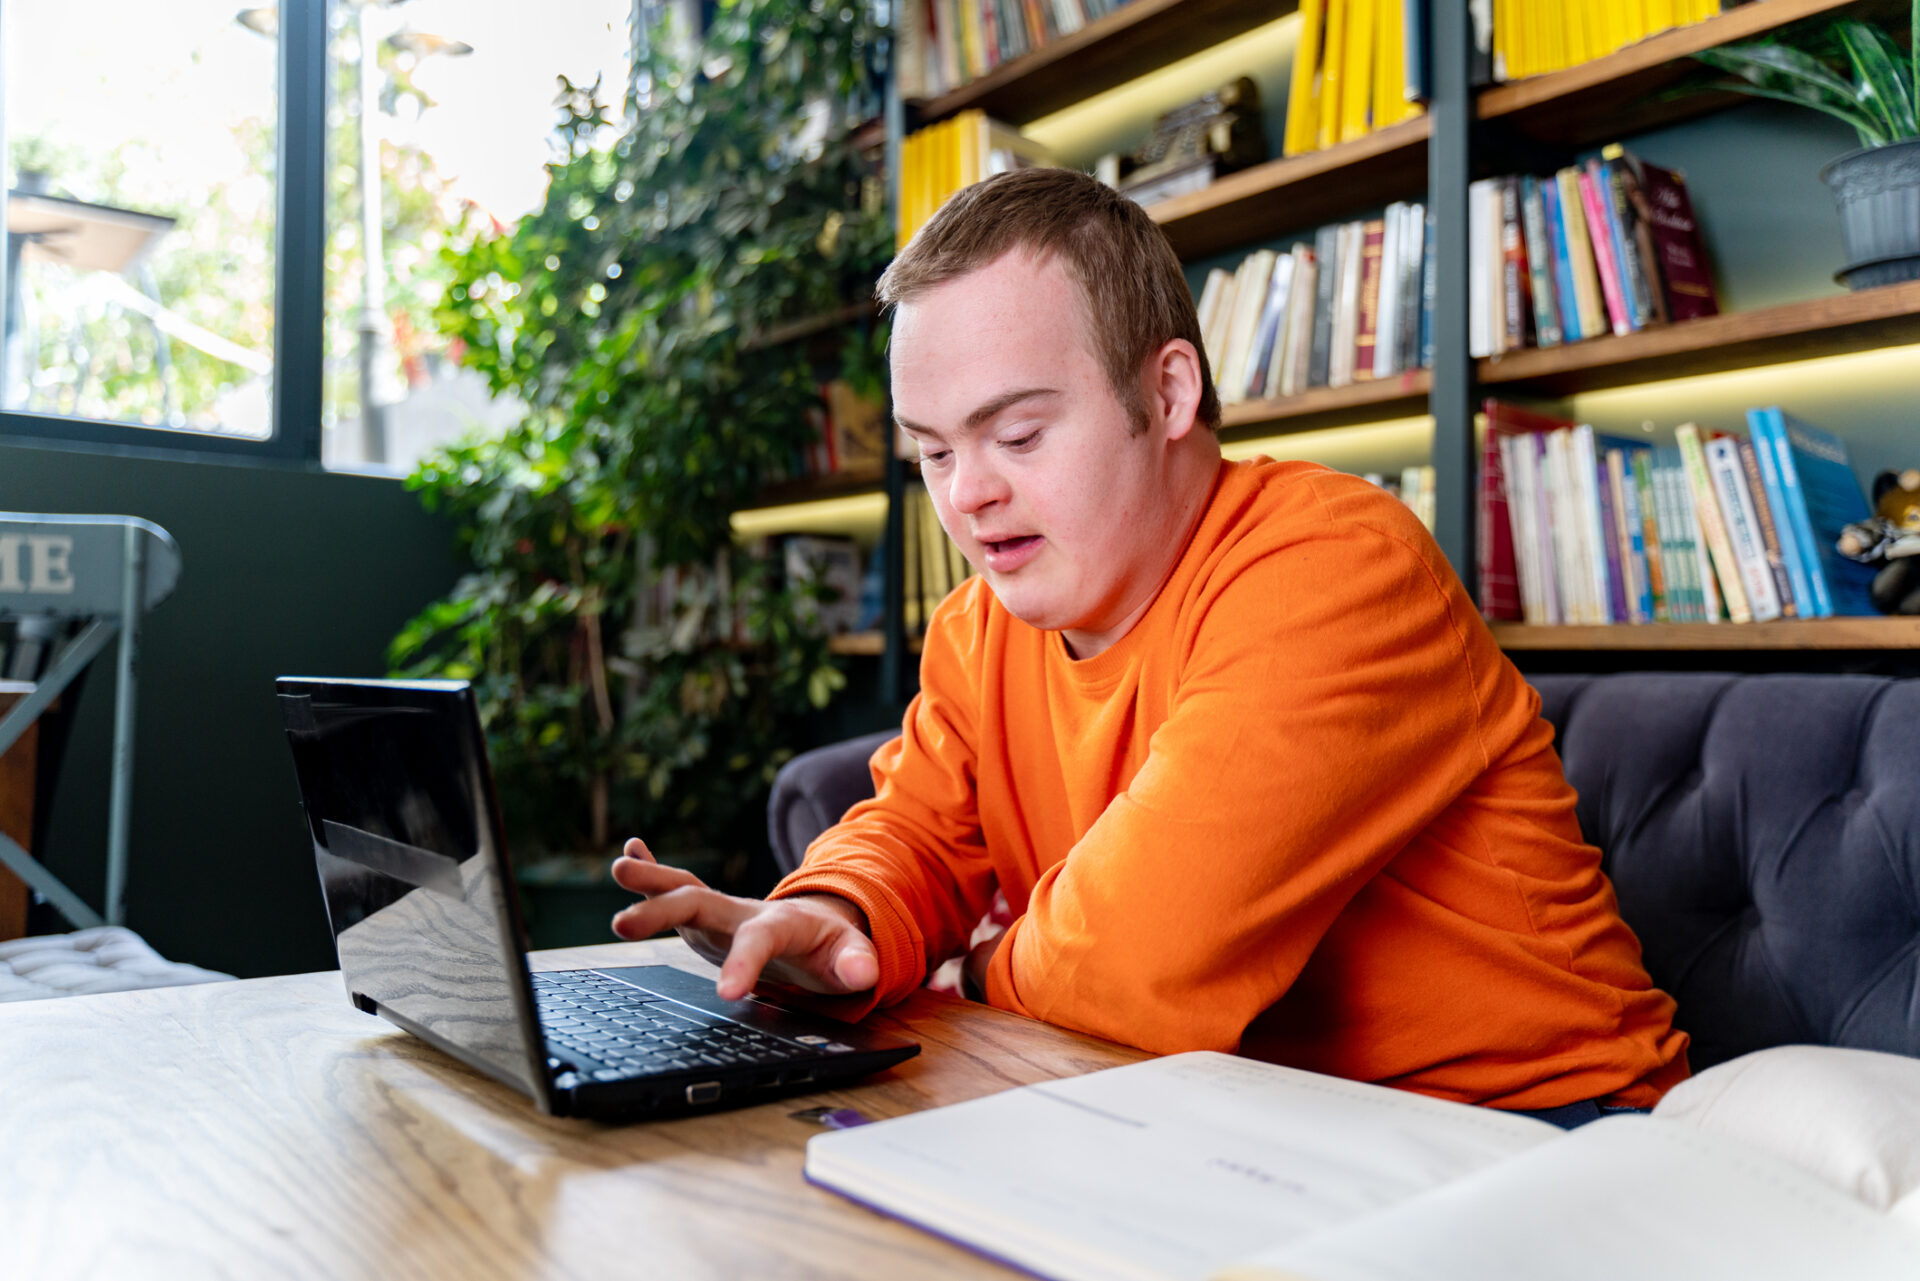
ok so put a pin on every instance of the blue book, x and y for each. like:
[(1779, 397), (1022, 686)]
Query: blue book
[(1616, 239), (1817, 475), (1759, 428), (1562, 264), (1626, 496)]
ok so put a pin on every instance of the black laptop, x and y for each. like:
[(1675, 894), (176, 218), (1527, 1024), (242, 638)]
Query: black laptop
[(426, 919)]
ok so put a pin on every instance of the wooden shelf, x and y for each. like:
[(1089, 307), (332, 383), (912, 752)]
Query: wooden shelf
[(1360, 402), (866, 644), (1783, 634), (1139, 37), (1298, 192), (1627, 91), (860, 480), (1829, 326)]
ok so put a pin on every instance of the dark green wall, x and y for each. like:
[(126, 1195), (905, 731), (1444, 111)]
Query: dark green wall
[(282, 571)]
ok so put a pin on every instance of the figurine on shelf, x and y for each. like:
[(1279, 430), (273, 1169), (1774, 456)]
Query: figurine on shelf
[(1890, 541), (1196, 143)]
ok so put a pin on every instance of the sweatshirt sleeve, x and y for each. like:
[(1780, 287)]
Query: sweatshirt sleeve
[(1326, 712), (913, 858)]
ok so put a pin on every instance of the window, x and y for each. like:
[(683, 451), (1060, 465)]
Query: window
[(141, 220), (190, 220)]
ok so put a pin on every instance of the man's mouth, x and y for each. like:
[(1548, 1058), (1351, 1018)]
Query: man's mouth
[(1004, 555)]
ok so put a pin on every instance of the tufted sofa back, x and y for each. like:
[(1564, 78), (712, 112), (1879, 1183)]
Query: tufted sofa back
[(1763, 834)]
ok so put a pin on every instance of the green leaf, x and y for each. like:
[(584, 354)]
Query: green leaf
[(1880, 89)]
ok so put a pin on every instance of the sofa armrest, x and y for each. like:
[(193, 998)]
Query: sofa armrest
[(812, 792)]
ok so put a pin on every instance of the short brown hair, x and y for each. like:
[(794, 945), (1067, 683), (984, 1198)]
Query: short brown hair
[(1131, 287)]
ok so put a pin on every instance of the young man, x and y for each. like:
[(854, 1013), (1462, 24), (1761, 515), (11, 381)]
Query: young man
[(1232, 739)]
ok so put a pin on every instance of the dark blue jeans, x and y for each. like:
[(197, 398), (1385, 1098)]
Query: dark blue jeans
[(1574, 1115)]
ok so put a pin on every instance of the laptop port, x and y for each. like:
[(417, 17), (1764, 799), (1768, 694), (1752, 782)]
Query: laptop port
[(703, 1092), (764, 1079), (797, 1076)]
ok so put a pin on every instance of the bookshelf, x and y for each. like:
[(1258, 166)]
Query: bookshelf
[(1466, 133), (1129, 42)]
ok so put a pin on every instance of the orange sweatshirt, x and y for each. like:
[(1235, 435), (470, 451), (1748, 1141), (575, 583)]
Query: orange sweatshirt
[(1306, 810)]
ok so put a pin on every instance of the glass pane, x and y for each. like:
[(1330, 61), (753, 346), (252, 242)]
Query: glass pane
[(140, 214), (460, 112)]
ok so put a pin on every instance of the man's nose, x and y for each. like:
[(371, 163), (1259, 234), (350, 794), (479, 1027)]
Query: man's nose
[(974, 484)]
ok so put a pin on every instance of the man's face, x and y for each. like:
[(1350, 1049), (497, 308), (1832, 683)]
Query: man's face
[(1027, 453)]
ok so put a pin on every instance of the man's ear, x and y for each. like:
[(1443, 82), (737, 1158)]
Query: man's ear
[(1172, 376)]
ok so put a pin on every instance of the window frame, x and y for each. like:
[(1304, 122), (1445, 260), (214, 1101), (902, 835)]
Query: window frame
[(299, 298)]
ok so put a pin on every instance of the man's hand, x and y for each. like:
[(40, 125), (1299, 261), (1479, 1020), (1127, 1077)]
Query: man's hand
[(813, 941)]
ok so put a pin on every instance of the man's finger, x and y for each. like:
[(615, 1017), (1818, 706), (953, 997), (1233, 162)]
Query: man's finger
[(687, 907), (855, 963), (755, 943), (644, 876)]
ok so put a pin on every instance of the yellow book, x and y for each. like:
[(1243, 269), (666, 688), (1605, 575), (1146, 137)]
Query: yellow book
[(973, 146), (1633, 20), (1356, 89), (1333, 74), (1303, 94), (947, 178), (1576, 21), (1521, 50), (1706, 508), (903, 224), (1389, 63), (1553, 36), (1662, 14), (1503, 39)]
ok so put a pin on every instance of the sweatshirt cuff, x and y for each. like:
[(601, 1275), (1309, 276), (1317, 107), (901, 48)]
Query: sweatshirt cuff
[(896, 940)]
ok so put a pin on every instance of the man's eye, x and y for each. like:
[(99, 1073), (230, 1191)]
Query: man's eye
[(935, 458), (1023, 443)]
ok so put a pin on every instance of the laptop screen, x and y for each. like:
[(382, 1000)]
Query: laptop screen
[(400, 811)]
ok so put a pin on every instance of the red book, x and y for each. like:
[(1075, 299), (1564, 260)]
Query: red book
[(1682, 258), (1374, 236), (1495, 561), (1516, 288)]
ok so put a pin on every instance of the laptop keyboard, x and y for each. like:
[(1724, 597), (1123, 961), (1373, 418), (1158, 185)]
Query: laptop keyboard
[(590, 1017)]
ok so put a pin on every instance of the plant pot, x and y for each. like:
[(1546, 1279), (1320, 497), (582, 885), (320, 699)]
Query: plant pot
[(1877, 191)]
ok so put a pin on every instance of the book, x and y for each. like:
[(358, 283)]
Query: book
[(1292, 356), (1606, 261), (1584, 469), (1384, 358), (1203, 1165), (1326, 252), (1777, 503), (1713, 529), (1304, 88), (1582, 263), (1366, 330), (1769, 532), (1429, 282), (1636, 287), (1678, 249), (1742, 526), (1540, 263), (1516, 302), (1346, 305), (1266, 334), (1249, 299), (1659, 606), (1824, 497), (1482, 237), (1562, 256)]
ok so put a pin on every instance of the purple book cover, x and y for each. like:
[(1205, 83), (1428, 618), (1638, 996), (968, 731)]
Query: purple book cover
[(1610, 547), (1676, 240)]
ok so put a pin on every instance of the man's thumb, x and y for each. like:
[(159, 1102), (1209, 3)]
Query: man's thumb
[(855, 965)]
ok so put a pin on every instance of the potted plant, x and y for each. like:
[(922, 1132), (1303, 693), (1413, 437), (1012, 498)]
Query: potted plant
[(638, 673), (1856, 72)]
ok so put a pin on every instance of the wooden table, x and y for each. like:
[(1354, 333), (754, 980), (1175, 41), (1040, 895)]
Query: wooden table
[(265, 1128)]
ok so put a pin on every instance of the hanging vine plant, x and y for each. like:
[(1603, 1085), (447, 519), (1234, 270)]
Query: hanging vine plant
[(637, 672)]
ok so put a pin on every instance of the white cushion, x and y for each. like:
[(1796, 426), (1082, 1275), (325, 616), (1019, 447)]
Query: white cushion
[(109, 958), (1851, 1117)]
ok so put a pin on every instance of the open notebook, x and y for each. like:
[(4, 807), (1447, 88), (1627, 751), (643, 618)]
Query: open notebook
[(1206, 1165)]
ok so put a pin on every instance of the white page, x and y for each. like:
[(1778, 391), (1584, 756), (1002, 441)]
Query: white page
[(1624, 1197), (1171, 1168)]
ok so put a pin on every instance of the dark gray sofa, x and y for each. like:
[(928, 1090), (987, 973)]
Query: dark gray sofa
[(1763, 834)]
